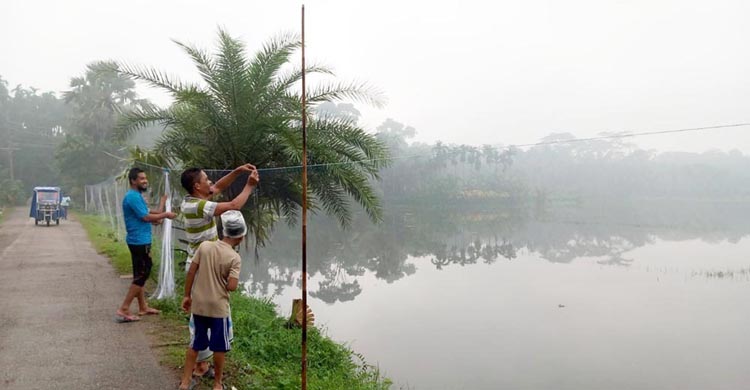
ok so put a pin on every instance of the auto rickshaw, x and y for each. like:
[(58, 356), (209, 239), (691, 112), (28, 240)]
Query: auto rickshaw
[(45, 205)]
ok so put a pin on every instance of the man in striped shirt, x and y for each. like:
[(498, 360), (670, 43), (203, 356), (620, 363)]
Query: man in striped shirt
[(199, 211)]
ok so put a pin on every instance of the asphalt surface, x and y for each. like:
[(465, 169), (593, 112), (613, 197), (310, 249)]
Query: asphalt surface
[(57, 303)]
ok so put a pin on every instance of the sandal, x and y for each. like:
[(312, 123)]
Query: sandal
[(192, 385), (210, 373)]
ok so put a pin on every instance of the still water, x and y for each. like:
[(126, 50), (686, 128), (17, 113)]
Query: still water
[(586, 296)]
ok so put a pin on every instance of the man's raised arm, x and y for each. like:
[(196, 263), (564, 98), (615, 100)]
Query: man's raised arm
[(230, 177), (235, 204)]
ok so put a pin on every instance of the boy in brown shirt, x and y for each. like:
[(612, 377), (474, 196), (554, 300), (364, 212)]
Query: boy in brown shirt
[(215, 272)]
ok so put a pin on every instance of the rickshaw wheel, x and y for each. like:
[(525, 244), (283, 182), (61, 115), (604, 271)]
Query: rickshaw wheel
[(36, 222), (57, 222)]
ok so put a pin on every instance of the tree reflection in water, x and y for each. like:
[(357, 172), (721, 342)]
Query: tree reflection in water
[(467, 235)]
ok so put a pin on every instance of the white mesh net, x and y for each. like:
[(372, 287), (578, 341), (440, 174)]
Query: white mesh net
[(165, 288)]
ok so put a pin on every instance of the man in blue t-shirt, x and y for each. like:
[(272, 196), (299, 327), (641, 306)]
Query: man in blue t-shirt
[(138, 220)]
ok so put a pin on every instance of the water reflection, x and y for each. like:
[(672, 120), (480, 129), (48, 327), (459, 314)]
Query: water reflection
[(480, 233)]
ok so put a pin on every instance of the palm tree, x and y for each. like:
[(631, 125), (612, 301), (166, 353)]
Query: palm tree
[(248, 110), (94, 102), (97, 98)]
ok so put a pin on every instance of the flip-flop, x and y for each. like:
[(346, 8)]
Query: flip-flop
[(150, 311), (126, 318), (209, 374)]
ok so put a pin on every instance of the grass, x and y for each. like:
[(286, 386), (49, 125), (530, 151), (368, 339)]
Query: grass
[(265, 354), (106, 242), (3, 211)]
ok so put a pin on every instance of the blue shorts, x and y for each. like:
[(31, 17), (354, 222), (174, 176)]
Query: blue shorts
[(212, 333)]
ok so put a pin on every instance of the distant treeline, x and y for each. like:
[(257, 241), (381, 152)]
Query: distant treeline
[(47, 139), (558, 171)]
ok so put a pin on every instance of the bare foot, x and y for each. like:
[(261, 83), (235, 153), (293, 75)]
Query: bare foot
[(203, 368), (189, 385), (123, 316), (149, 311)]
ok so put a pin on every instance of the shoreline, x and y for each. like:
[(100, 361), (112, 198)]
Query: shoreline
[(265, 353)]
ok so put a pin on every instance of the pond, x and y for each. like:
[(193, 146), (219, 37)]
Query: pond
[(593, 295)]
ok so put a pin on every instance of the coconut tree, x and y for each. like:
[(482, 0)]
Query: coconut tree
[(247, 109), (94, 102)]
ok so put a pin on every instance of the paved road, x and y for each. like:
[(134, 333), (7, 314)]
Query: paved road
[(57, 301)]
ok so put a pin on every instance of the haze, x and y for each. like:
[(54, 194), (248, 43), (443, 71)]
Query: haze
[(462, 72)]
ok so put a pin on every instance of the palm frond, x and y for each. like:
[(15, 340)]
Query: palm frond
[(287, 79), (333, 198), (140, 117), (156, 78), (202, 61), (361, 92), (269, 60)]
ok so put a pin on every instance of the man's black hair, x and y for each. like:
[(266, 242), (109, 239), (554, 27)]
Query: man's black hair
[(133, 174), (189, 177)]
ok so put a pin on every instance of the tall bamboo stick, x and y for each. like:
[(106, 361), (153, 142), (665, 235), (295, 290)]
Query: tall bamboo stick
[(304, 212)]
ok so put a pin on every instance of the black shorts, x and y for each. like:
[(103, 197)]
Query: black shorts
[(141, 257)]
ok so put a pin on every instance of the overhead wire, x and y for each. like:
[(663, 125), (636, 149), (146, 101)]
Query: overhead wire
[(508, 147)]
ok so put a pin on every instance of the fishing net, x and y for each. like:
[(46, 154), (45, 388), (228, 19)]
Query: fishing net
[(104, 199), (166, 286)]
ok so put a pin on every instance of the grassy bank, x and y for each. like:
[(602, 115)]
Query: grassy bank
[(265, 354), (3, 211), (105, 241)]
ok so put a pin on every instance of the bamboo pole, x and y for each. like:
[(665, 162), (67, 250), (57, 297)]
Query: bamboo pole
[(304, 212)]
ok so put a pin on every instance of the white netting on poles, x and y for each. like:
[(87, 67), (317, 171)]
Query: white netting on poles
[(104, 199), (166, 287)]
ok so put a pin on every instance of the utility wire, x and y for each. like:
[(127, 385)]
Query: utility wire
[(627, 135), (509, 147)]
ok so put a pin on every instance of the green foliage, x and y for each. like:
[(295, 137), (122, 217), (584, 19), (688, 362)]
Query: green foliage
[(11, 191), (248, 109), (266, 354), (273, 353), (31, 126), (97, 97), (90, 150), (81, 162), (422, 172)]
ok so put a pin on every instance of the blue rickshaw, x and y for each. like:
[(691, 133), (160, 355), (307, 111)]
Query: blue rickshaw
[(45, 205)]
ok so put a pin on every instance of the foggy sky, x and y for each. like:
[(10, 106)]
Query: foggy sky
[(473, 72)]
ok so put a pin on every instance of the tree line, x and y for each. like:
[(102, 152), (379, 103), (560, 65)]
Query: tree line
[(246, 108)]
